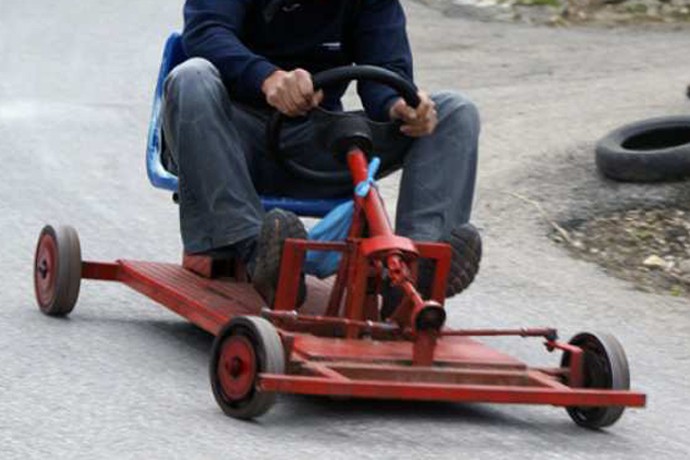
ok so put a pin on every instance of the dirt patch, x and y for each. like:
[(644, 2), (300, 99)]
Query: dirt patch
[(617, 225), (569, 12), (650, 247)]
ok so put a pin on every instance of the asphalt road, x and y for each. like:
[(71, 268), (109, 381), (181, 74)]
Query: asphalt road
[(124, 378)]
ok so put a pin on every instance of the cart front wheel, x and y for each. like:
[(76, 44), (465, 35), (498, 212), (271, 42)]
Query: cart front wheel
[(246, 347), (604, 366), (57, 270)]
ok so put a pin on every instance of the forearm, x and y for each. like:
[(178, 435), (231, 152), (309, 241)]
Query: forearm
[(381, 40)]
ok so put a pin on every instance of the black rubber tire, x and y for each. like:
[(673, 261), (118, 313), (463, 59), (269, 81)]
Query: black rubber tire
[(651, 150), (605, 366), (67, 265), (270, 354)]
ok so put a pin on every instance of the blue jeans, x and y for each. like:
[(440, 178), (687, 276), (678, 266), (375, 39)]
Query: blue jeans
[(219, 153)]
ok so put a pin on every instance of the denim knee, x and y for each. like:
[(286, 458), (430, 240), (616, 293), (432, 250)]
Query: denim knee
[(191, 79), (456, 109)]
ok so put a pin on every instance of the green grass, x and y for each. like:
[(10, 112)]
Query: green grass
[(538, 2), (638, 8)]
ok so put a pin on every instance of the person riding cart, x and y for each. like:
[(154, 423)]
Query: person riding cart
[(249, 58), (247, 143)]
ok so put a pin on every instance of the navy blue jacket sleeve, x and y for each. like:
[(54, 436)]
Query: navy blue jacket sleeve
[(212, 30), (381, 39)]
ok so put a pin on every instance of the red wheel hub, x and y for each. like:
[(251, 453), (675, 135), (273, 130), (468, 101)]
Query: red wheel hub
[(237, 367), (45, 270)]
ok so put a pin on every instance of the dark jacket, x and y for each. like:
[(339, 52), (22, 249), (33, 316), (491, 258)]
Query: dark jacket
[(247, 40)]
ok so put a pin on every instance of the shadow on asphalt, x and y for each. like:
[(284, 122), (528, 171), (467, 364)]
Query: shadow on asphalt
[(313, 410), (178, 330)]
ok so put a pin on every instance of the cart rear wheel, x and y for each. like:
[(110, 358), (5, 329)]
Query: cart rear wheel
[(57, 270), (604, 366), (246, 347)]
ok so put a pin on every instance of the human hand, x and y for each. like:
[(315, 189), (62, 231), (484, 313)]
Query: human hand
[(417, 122), (292, 93)]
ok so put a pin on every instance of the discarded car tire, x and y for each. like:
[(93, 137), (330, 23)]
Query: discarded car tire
[(651, 150)]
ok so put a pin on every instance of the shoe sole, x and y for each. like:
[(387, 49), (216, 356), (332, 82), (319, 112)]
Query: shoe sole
[(268, 260), (466, 245)]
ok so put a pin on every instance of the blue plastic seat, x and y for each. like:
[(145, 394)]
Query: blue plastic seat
[(173, 54)]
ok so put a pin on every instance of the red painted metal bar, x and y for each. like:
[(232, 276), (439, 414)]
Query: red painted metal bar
[(556, 372), (546, 380), (444, 375), (324, 371), (363, 326), (291, 267), (575, 379), (384, 243), (100, 271), (407, 333), (290, 270), (320, 245), (335, 300), (374, 209), (523, 332), (356, 291), (423, 349), (441, 392), (392, 250), (441, 253)]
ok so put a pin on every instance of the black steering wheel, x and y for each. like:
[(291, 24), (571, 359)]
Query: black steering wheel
[(322, 80)]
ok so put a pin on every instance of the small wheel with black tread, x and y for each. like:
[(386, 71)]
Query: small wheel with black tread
[(57, 270), (604, 366), (246, 347)]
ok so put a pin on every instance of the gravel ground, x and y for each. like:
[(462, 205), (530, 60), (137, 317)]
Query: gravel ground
[(563, 13), (123, 378), (649, 247)]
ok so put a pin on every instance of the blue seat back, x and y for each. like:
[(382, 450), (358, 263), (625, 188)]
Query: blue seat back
[(173, 54)]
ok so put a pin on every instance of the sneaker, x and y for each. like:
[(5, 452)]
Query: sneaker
[(466, 246), (278, 225)]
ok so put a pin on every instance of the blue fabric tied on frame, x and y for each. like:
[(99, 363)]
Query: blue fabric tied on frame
[(334, 227), (362, 189)]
